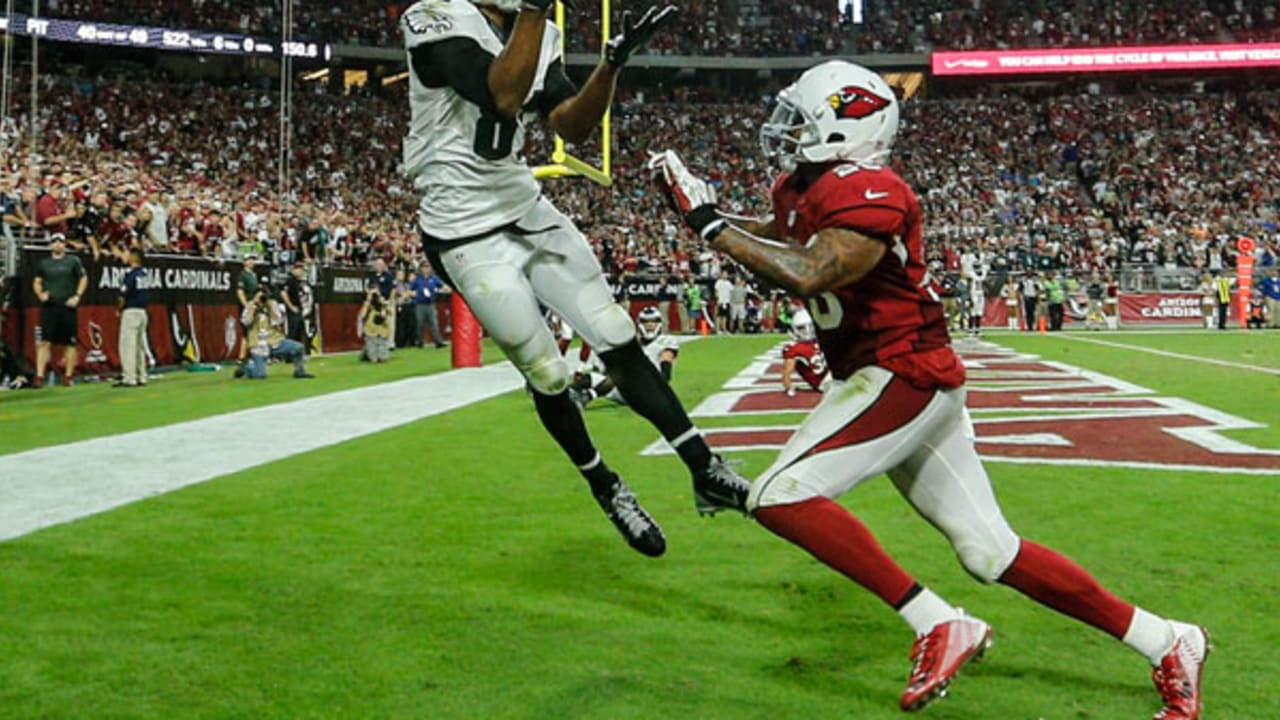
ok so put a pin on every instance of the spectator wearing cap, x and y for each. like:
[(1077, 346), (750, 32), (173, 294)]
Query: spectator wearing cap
[(426, 287), (296, 296), (133, 300), (214, 233), (53, 213), (59, 285)]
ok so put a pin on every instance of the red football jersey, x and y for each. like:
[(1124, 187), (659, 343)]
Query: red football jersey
[(810, 362), (890, 318)]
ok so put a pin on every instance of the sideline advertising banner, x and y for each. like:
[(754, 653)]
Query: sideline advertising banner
[(193, 313), (1112, 59)]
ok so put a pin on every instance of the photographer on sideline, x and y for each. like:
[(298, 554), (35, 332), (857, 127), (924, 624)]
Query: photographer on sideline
[(376, 327), (264, 316)]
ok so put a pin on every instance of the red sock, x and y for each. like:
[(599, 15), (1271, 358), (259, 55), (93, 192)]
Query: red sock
[(1056, 581), (834, 536)]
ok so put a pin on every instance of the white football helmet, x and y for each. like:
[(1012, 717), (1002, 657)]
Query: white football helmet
[(650, 324), (836, 111), (506, 6), (802, 326)]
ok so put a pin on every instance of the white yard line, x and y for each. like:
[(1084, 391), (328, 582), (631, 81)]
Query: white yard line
[(1178, 356), (55, 485)]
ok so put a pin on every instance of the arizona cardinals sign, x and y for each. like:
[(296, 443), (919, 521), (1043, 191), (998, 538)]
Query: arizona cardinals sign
[(855, 103)]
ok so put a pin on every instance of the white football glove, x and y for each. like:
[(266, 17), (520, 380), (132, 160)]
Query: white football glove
[(692, 197)]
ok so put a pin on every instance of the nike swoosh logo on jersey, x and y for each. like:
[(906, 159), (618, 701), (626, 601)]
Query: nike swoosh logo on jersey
[(876, 195)]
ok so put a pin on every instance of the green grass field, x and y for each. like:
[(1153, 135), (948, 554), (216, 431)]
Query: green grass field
[(457, 568)]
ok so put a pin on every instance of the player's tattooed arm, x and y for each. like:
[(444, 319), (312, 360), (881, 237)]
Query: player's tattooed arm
[(764, 228), (832, 258)]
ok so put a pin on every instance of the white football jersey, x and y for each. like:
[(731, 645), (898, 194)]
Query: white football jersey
[(660, 344), (465, 162)]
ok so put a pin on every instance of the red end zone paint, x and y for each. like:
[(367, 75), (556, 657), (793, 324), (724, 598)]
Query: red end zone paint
[(1059, 415)]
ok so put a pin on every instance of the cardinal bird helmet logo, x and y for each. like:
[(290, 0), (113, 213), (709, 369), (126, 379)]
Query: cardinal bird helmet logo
[(855, 103)]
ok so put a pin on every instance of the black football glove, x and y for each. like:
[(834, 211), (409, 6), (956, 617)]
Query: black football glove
[(636, 35)]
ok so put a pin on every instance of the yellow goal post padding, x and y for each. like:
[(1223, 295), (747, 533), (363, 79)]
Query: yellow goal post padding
[(562, 163)]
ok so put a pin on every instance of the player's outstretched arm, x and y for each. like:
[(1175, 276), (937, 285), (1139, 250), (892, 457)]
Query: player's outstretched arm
[(575, 118), (512, 73), (831, 259)]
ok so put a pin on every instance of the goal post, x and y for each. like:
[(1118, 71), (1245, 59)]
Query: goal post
[(563, 164)]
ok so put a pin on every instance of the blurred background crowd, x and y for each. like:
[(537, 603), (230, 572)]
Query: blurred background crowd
[(1063, 181)]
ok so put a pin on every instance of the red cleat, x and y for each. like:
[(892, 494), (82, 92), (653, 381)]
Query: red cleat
[(1177, 677), (938, 657)]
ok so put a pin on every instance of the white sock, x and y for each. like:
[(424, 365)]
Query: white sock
[(1153, 637), (926, 610)]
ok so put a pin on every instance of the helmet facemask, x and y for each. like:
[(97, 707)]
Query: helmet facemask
[(788, 130)]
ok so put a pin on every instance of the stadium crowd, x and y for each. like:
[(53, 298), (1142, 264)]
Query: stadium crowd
[(1078, 182), (765, 27)]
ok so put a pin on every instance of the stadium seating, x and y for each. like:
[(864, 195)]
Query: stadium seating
[(1080, 181)]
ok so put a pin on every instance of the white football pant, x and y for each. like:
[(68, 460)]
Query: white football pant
[(874, 423), (542, 258)]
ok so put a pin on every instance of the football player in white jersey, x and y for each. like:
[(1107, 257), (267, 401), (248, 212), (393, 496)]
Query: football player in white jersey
[(659, 347), (479, 71)]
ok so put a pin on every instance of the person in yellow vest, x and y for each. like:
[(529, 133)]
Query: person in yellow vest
[(1222, 293)]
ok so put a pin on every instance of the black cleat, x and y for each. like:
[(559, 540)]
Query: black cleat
[(720, 487), (636, 525)]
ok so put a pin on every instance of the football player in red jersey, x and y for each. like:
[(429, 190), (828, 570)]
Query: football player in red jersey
[(803, 356), (846, 234)]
